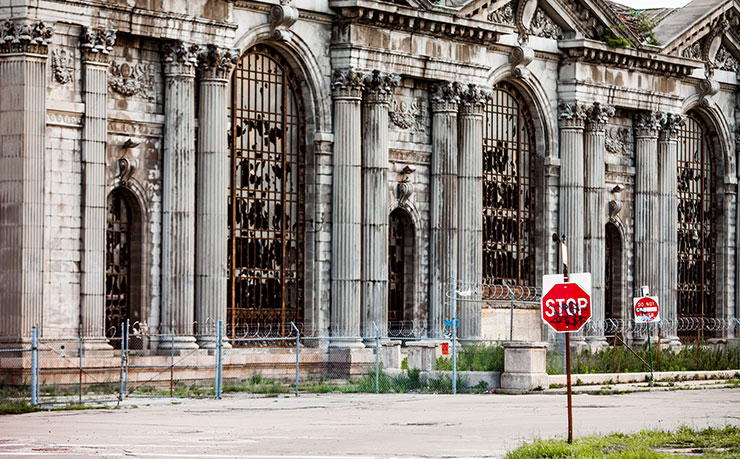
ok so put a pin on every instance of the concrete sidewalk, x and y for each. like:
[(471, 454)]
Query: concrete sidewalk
[(352, 426)]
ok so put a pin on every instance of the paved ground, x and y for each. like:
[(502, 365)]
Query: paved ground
[(350, 426)]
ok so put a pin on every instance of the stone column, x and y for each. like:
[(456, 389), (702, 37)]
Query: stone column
[(346, 208), (443, 212), (595, 209), (647, 233), (178, 196), (668, 224), (572, 116), (374, 274), (23, 55), (470, 208), (95, 46), (212, 189)]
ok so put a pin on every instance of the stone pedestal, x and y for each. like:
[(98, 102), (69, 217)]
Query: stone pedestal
[(422, 355), (349, 362), (390, 354), (525, 366)]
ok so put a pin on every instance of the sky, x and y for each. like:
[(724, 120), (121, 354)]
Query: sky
[(640, 4)]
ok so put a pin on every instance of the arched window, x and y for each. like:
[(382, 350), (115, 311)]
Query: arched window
[(266, 244), (123, 263), (401, 272), (696, 221), (508, 189), (613, 279)]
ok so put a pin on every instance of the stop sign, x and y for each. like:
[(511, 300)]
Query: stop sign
[(566, 306), (646, 309)]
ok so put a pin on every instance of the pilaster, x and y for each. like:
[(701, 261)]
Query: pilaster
[(594, 245), (178, 195), (374, 273), (95, 46), (470, 206), (211, 201), (346, 208), (23, 56), (443, 212), (572, 117)]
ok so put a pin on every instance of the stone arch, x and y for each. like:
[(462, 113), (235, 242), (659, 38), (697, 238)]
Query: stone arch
[(546, 133), (416, 319)]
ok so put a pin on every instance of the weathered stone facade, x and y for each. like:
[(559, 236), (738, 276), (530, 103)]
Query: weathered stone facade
[(393, 103)]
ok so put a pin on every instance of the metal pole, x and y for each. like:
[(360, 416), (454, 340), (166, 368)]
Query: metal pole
[(659, 336), (125, 369), (80, 352), (454, 336), (297, 353), (377, 358), (34, 363), (123, 353), (38, 361), (219, 362), (511, 312), (650, 354), (570, 396), (172, 358)]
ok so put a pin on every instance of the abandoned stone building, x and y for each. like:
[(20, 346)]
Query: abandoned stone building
[(338, 163)]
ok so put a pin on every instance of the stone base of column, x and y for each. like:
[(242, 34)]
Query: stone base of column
[(671, 342), (390, 353), (525, 364), (354, 343), (422, 355), (348, 362), (94, 346), (177, 344), (596, 343), (211, 343)]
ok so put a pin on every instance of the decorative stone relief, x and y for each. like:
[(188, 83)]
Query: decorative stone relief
[(347, 82), (520, 57), (473, 97), (216, 62), (524, 13), (543, 26), (62, 66), (571, 114), (712, 44), (128, 80), (180, 57), (446, 96), (615, 205), (405, 188), (726, 61), (97, 44), (503, 15), (693, 51), (619, 141), (126, 168), (707, 88), (282, 18), (671, 124), (408, 114), (25, 37), (647, 123), (378, 86), (598, 115)]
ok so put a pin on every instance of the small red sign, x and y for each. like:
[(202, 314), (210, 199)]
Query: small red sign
[(445, 348), (566, 307), (646, 309)]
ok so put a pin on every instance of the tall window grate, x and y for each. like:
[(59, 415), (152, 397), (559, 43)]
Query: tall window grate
[(396, 275), (117, 263), (696, 222), (508, 189), (266, 206)]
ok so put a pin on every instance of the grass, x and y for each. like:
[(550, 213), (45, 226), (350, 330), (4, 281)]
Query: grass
[(475, 357), (711, 358), (18, 406), (712, 442)]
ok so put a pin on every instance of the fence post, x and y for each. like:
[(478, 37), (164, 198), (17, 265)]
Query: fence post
[(377, 358), (454, 336), (297, 351), (511, 312), (123, 353), (172, 358), (219, 347), (34, 364), (125, 369), (80, 352)]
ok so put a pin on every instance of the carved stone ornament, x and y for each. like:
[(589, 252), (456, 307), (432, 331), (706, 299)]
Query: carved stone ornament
[(598, 115), (726, 61), (347, 82), (618, 141), (126, 168), (408, 114), (282, 18), (379, 86), (62, 66), (25, 37), (693, 51), (404, 189), (670, 124), (446, 96), (524, 14), (707, 88), (97, 44), (503, 15), (179, 56), (129, 80), (712, 44), (543, 26), (615, 205), (647, 124), (473, 97), (572, 114), (520, 58), (217, 62)]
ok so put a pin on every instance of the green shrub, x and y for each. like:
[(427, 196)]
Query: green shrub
[(474, 357)]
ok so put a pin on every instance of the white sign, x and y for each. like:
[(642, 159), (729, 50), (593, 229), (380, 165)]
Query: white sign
[(646, 309)]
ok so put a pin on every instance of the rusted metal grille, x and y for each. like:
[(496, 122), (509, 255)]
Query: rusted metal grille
[(508, 189), (613, 264), (696, 222), (397, 251), (117, 259), (266, 206)]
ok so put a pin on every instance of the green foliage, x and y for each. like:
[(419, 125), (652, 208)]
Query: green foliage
[(405, 363), (15, 406), (610, 37), (712, 442), (475, 357), (645, 26)]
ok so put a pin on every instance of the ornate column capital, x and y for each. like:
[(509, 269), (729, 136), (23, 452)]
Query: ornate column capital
[(379, 87), (598, 115), (22, 36), (473, 98), (670, 124), (347, 83), (647, 124), (215, 63), (571, 115), (96, 44), (180, 58), (445, 96)]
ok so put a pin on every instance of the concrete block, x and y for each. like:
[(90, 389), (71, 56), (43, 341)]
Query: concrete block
[(524, 366), (422, 355)]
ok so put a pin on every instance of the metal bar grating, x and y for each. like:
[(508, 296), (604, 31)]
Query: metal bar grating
[(117, 262)]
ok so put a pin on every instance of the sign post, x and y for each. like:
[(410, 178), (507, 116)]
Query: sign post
[(647, 310), (566, 307)]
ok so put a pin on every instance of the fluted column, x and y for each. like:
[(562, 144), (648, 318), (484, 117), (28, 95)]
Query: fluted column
[(211, 196), (95, 46), (346, 208), (668, 224), (572, 116), (648, 263), (178, 195), (470, 207), (23, 56), (593, 237), (443, 212), (374, 273)]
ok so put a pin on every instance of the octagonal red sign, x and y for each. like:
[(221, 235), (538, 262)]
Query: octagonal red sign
[(566, 306)]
